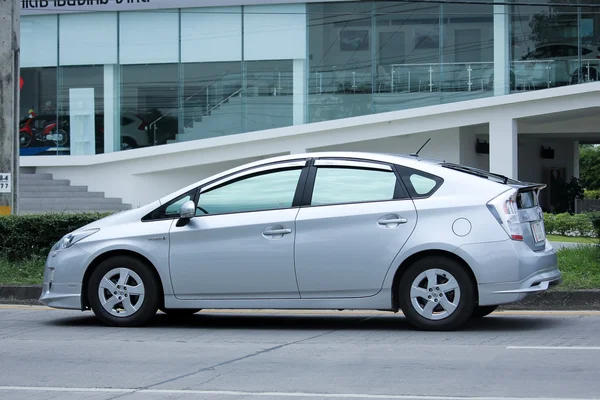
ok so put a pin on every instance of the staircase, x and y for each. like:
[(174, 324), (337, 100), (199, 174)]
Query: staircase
[(40, 194), (259, 113)]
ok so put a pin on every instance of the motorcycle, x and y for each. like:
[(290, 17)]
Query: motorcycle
[(28, 132)]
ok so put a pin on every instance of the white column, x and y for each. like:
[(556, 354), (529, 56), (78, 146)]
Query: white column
[(299, 98), (576, 159), (501, 49), (111, 109), (504, 147)]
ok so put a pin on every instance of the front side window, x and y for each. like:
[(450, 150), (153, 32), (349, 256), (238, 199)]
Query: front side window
[(269, 191), (352, 185)]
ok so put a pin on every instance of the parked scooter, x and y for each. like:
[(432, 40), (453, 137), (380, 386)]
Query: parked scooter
[(28, 132)]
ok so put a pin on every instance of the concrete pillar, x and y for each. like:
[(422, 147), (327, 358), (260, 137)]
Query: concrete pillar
[(9, 106), (576, 159), (504, 147), (501, 49), (299, 98)]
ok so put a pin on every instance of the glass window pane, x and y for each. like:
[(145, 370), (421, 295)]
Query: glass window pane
[(38, 99), (211, 34), (275, 32), (269, 95), (421, 184), (149, 37), (211, 101), (149, 98), (39, 41), (350, 185), (262, 192), (542, 38), (89, 38), (340, 54), (80, 111)]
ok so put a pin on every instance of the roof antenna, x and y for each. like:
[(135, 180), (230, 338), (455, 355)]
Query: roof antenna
[(418, 151)]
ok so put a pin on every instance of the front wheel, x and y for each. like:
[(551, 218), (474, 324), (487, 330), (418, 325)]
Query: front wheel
[(436, 293), (123, 292)]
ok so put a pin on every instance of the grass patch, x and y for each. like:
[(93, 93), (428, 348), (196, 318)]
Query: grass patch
[(28, 272), (580, 267), (572, 239)]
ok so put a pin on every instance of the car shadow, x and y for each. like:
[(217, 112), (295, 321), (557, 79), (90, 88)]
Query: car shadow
[(360, 322)]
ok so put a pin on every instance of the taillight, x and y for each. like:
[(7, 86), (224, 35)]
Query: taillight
[(505, 210)]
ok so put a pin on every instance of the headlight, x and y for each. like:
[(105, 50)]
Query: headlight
[(72, 238)]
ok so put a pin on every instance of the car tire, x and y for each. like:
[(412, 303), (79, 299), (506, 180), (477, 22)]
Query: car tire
[(123, 292), (436, 293), (483, 311), (180, 312)]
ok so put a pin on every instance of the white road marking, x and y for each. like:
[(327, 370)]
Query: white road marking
[(265, 394), (553, 347)]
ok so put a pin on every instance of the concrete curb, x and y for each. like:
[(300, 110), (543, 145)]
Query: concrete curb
[(552, 300)]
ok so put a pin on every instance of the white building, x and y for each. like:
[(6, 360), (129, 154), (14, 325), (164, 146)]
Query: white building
[(191, 87)]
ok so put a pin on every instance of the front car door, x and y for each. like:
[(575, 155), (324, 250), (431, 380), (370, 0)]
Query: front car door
[(240, 245), (356, 217)]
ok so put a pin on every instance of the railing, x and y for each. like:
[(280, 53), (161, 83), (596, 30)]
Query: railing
[(154, 124), (453, 76)]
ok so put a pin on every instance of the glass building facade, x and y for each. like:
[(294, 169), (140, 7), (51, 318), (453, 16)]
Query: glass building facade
[(100, 82)]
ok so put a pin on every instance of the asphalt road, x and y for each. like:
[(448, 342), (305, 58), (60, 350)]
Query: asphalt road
[(50, 354)]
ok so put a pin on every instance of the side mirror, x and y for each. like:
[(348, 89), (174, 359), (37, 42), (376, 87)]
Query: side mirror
[(187, 210)]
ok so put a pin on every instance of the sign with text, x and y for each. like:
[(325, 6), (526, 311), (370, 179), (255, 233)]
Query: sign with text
[(5, 182), (37, 7)]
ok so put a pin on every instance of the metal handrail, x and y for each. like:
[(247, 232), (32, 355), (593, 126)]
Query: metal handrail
[(221, 102), (153, 124)]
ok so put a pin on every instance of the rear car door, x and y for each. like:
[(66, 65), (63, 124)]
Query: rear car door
[(356, 217)]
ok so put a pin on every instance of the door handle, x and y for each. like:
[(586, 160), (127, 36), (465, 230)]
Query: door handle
[(393, 221), (273, 232)]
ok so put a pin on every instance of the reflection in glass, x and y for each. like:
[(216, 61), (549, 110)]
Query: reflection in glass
[(149, 104)]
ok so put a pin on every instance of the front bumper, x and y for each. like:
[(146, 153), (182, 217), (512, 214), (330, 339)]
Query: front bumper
[(63, 275)]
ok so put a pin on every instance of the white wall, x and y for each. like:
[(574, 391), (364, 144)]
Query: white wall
[(444, 145)]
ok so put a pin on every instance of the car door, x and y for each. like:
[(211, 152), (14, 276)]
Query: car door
[(241, 243), (356, 217)]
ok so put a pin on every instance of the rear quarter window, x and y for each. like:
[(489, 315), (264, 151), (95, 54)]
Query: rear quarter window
[(420, 184)]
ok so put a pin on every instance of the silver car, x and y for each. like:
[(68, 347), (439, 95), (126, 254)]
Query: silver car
[(440, 241)]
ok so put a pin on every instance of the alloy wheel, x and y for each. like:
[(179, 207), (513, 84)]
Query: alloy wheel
[(121, 292), (435, 294)]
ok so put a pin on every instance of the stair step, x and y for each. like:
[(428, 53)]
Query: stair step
[(51, 189), (35, 177), (38, 182), (29, 194)]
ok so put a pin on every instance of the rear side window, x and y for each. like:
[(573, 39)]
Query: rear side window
[(419, 184), (352, 185)]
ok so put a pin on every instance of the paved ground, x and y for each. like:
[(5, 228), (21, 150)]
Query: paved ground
[(49, 354)]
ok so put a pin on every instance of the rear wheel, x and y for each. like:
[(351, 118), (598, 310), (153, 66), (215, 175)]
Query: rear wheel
[(482, 311), (123, 292), (436, 293)]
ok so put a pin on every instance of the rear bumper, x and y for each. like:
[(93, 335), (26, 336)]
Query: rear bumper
[(503, 293), (508, 271)]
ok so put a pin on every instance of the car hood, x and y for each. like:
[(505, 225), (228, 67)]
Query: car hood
[(121, 217)]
